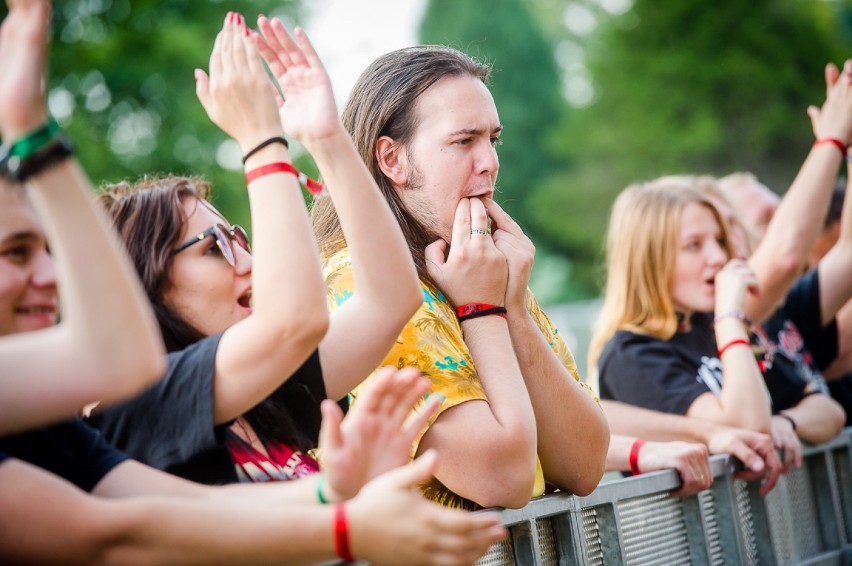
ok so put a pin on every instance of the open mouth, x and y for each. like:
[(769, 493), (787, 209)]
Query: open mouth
[(37, 310), (245, 299)]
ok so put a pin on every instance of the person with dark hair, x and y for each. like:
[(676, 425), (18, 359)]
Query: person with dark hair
[(515, 414), (67, 497), (250, 359)]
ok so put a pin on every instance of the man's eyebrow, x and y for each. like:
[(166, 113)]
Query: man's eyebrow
[(476, 131), (20, 236)]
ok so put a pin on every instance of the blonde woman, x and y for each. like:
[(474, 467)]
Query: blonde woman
[(669, 337)]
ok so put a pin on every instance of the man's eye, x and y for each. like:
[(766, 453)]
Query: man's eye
[(495, 141), (16, 253)]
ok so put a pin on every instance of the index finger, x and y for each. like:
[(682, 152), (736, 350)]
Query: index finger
[(500, 217), (461, 224)]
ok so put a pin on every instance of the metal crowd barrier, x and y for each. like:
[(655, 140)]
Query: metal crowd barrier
[(806, 519)]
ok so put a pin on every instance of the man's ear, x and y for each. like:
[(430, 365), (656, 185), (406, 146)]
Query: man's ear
[(391, 157)]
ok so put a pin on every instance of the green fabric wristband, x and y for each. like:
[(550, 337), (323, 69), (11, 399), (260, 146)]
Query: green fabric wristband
[(320, 483), (34, 141)]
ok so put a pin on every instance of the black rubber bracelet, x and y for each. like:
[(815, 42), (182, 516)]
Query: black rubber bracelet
[(20, 169), (261, 145), (500, 311), (789, 418)]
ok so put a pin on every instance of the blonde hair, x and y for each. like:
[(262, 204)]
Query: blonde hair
[(724, 189), (642, 244)]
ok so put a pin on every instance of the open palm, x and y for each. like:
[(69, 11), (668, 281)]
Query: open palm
[(308, 111)]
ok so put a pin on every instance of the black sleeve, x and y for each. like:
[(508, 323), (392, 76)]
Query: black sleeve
[(72, 450), (172, 422), (802, 306), (647, 372)]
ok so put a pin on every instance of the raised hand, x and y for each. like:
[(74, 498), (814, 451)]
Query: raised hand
[(391, 523), (377, 434), (475, 271), (519, 251), (237, 95), (834, 118), (308, 111), (23, 43), (732, 283)]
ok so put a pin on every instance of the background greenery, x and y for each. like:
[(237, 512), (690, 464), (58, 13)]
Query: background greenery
[(594, 94)]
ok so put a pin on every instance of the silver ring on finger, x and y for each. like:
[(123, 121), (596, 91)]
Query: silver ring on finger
[(480, 231)]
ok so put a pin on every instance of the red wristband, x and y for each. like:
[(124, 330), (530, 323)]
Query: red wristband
[(314, 187), (634, 456), (840, 145), (734, 342), (341, 533), (475, 310)]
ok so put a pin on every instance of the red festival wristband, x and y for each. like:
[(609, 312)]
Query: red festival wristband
[(734, 342), (341, 534), (475, 310), (314, 187), (634, 456), (839, 144)]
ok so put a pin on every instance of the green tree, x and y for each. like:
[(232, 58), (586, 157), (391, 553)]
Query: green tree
[(684, 87), (121, 83)]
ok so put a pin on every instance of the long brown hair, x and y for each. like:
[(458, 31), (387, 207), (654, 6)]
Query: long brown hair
[(149, 219), (383, 102)]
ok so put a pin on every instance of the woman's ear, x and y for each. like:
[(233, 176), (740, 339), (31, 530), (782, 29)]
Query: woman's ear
[(391, 158)]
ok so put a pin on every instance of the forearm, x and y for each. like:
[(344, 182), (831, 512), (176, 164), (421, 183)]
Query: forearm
[(794, 228), (573, 434), (388, 292), (835, 269), (490, 347), (744, 401), (287, 282), (653, 425), (46, 520)]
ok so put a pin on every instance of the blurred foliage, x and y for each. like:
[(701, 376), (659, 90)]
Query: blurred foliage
[(651, 87), (121, 83)]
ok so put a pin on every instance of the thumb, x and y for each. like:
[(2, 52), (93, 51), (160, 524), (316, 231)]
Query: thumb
[(329, 436), (436, 254), (202, 88)]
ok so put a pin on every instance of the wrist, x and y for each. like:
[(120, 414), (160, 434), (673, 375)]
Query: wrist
[(254, 139)]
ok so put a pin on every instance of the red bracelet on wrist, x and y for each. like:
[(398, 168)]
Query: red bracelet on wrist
[(840, 145), (314, 187), (734, 342), (475, 310), (634, 456), (341, 533)]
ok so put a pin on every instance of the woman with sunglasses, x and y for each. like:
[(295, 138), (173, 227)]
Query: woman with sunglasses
[(250, 357)]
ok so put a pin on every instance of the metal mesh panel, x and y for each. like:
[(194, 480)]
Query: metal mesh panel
[(844, 483), (793, 519), (546, 543), (653, 530), (500, 554), (711, 526), (746, 522), (594, 553)]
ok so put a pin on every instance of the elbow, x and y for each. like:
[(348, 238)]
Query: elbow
[(502, 483), (512, 489)]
